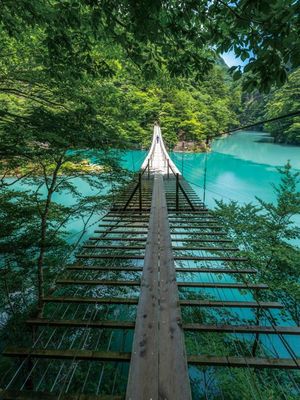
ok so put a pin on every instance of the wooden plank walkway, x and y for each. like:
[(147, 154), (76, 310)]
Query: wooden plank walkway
[(158, 269)]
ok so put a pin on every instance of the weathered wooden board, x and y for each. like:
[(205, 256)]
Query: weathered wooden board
[(173, 371), (143, 371)]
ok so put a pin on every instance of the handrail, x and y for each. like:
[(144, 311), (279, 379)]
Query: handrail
[(158, 140), (149, 157)]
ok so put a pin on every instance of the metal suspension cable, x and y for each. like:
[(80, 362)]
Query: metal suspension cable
[(261, 122)]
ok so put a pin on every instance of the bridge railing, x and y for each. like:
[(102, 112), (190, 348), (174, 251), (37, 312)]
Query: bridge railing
[(157, 140)]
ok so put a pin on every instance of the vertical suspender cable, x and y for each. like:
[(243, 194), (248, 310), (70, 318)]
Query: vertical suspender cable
[(140, 191), (177, 192), (205, 173)]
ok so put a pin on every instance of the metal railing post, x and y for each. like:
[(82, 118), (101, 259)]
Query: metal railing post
[(148, 165), (140, 190), (177, 192)]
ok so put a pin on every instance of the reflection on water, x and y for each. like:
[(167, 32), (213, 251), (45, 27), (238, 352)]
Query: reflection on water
[(240, 167), (259, 148)]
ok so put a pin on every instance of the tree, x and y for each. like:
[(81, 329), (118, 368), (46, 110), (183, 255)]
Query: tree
[(284, 101), (265, 232)]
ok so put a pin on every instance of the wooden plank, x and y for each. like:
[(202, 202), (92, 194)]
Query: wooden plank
[(210, 258), (129, 225), (244, 362), (200, 227), (192, 217), (200, 208), (81, 323), (131, 209), (107, 232), (201, 233), (143, 371), (88, 355), (30, 395), (174, 382), (191, 221), (203, 240), (113, 256), (230, 304), (204, 248), (269, 330), (223, 285), (117, 239), (90, 300), (132, 218), (128, 213), (107, 268), (189, 212), (218, 270), (97, 282), (96, 246), (126, 216)]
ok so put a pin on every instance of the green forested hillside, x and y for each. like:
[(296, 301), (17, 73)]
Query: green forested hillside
[(280, 101), (283, 101)]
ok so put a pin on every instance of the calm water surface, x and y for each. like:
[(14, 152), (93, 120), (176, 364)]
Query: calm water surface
[(240, 167)]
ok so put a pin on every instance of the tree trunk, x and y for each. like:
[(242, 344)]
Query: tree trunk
[(43, 237)]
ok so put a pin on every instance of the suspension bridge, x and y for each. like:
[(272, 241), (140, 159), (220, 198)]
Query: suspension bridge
[(159, 304)]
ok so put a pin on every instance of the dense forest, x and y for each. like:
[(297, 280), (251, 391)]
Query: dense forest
[(257, 106), (79, 78)]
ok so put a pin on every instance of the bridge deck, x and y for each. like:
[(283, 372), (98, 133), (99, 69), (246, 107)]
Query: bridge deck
[(158, 298)]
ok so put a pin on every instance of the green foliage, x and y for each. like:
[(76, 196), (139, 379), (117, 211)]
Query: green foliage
[(264, 233), (284, 101), (279, 102)]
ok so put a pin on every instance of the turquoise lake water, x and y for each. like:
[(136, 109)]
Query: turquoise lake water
[(239, 168)]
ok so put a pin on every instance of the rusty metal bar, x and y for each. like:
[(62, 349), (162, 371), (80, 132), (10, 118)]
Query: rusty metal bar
[(218, 270), (210, 249), (131, 196), (244, 362), (208, 258), (90, 300), (186, 196), (223, 285), (101, 268), (97, 282), (30, 395), (96, 246), (230, 304), (223, 328), (116, 256), (117, 239), (90, 355), (81, 323)]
